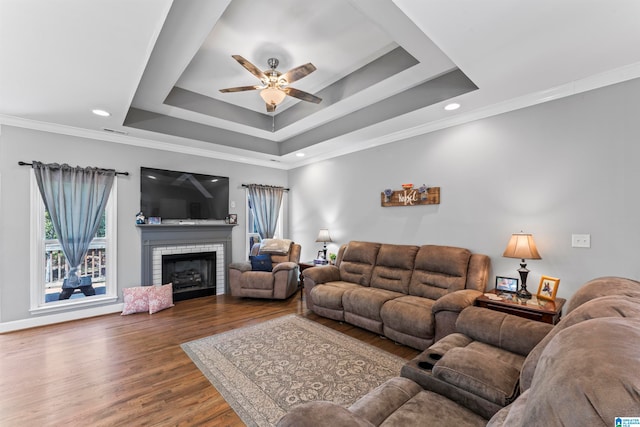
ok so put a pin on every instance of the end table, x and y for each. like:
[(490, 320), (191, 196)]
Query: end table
[(542, 311)]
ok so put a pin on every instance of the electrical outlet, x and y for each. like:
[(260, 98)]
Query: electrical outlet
[(233, 205), (581, 240)]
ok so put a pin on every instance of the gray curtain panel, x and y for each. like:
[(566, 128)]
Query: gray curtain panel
[(75, 198), (265, 202)]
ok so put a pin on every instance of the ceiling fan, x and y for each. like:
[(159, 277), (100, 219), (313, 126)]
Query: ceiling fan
[(275, 85)]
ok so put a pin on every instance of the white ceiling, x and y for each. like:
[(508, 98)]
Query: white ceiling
[(385, 69)]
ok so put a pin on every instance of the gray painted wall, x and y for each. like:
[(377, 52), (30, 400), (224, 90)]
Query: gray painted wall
[(563, 167), (567, 166), (27, 145)]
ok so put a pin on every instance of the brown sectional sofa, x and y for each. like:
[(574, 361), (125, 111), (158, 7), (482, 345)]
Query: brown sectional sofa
[(583, 372), (411, 294)]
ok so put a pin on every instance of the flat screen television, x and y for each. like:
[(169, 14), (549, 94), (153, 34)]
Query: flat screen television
[(183, 195)]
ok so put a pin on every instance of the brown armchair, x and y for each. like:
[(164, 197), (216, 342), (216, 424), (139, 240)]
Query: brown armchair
[(278, 281)]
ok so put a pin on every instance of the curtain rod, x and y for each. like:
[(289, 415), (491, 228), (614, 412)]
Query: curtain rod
[(265, 186), (31, 164)]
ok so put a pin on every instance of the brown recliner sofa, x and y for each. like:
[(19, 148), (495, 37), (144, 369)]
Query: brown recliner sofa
[(410, 294), (279, 283), (582, 373)]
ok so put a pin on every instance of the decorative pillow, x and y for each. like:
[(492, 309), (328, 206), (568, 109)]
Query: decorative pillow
[(160, 297), (136, 300), (261, 262), (275, 246)]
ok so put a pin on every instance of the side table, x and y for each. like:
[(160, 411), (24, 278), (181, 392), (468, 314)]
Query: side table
[(542, 311)]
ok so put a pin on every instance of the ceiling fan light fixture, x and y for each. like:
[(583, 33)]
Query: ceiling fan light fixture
[(272, 96)]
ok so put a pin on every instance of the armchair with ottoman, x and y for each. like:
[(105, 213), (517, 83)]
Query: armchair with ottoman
[(581, 372), (271, 273)]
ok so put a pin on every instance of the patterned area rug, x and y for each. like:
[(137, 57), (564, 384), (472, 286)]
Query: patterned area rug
[(264, 370)]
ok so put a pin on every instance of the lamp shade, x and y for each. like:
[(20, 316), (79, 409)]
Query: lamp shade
[(272, 96), (521, 246), (323, 236)]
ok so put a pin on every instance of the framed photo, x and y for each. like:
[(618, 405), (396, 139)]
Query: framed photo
[(155, 220), (232, 219), (548, 288), (506, 284)]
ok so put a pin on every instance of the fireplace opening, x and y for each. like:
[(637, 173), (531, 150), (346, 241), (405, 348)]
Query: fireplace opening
[(193, 275)]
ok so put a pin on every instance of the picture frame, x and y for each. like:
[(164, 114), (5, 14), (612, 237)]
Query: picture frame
[(155, 220), (507, 284), (548, 288)]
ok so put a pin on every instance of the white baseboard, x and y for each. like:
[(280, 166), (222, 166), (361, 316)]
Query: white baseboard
[(34, 322)]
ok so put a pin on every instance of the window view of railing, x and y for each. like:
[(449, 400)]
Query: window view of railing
[(56, 266)]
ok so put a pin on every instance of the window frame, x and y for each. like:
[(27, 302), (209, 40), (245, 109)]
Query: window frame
[(37, 262)]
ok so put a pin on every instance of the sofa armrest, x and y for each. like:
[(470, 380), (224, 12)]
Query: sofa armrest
[(456, 301), (285, 266), (316, 275), (447, 309), (322, 274), (241, 266)]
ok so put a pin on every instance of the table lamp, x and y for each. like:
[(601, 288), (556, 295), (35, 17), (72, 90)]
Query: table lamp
[(522, 246), (323, 236)]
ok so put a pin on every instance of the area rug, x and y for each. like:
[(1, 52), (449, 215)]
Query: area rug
[(264, 370)]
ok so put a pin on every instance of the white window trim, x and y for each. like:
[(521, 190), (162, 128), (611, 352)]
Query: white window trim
[(37, 279)]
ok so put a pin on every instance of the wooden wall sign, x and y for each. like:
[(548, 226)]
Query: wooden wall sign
[(411, 197)]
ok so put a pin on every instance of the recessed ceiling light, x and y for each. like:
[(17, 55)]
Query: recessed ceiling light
[(452, 106), (101, 113), (299, 154)]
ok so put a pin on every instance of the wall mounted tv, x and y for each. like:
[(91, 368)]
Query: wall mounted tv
[(183, 195)]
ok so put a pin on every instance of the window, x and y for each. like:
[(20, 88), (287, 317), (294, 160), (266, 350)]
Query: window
[(49, 266), (252, 232)]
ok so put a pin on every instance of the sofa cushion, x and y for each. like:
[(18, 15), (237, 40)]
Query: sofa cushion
[(367, 302), (394, 267), (431, 409), (409, 314), (358, 261), (330, 294), (586, 376), (439, 270), (497, 382), (257, 280)]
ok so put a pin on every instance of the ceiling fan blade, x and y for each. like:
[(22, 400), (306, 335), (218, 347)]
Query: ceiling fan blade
[(305, 96), (250, 67), (271, 108), (299, 72), (240, 88)]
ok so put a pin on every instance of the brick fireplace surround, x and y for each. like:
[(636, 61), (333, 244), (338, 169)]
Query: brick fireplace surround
[(166, 239)]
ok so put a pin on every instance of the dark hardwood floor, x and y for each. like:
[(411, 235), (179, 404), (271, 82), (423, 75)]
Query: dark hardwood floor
[(130, 370)]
